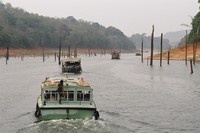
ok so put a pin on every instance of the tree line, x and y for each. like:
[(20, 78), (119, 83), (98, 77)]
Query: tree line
[(194, 35), (20, 29)]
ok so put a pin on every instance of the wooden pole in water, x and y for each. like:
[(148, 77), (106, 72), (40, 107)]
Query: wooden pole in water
[(7, 53), (59, 54), (43, 53), (161, 42), (191, 66), (152, 37), (168, 58), (142, 50), (68, 53), (55, 56), (89, 52), (186, 49)]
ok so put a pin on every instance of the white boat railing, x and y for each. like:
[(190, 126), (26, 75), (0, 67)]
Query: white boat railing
[(66, 97)]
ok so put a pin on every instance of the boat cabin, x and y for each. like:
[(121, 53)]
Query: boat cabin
[(72, 65), (76, 91)]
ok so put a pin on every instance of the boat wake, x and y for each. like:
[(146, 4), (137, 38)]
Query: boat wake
[(62, 126)]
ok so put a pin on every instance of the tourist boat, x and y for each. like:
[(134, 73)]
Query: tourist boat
[(76, 103), (115, 55), (71, 65), (137, 54)]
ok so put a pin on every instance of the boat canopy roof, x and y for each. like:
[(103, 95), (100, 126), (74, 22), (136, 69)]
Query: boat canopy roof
[(71, 60), (67, 82)]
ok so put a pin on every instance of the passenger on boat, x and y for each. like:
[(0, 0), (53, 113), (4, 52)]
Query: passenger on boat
[(60, 90)]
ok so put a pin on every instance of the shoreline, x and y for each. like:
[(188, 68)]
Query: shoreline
[(20, 52), (179, 53), (175, 54)]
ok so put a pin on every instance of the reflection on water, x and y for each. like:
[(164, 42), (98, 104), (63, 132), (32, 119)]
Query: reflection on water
[(130, 96)]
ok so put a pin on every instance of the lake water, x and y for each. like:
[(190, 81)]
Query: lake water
[(130, 96)]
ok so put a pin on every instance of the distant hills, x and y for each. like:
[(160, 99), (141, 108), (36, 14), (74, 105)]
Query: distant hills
[(20, 29), (175, 37), (137, 39), (170, 40)]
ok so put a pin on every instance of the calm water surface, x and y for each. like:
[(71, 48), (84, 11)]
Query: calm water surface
[(130, 96)]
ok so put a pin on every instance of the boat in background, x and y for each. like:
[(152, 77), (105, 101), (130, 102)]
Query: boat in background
[(76, 101), (71, 65), (115, 55), (137, 54)]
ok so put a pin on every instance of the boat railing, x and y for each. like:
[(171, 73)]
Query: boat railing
[(66, 97)]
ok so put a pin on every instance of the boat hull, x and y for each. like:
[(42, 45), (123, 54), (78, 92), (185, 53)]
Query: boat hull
[(66, 113)]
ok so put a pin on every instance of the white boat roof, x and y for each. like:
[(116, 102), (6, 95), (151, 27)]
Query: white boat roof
[(71, 60), (53, 82)]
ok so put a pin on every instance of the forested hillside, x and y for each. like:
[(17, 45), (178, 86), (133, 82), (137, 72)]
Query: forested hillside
[(194, 35), (21, 29), (195, 32)]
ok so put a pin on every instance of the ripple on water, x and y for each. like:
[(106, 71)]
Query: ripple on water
[(72, 126)]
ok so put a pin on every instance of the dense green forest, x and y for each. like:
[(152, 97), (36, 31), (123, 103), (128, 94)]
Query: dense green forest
[(194, 35), (195, 32), (20, 29)]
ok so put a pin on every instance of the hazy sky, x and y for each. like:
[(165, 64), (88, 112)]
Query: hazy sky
[(130, 16)]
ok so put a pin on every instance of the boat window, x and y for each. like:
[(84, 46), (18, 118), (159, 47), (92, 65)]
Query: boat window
[(77, 63), (50, 95), (87, 96), (71, 95), (79, 96), (69, 63), (47, 95), (54, 95)]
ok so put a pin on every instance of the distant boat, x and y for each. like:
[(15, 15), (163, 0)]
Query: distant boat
[(115, 55), (71, 65), (137, 54), (76, 101)]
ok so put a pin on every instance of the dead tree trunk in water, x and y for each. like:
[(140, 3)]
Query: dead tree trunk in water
[(68, 53), (186, 49), (191, 66), (142, 50), (89, 52), (43, 53), (59, 54), (55, 56), (7, 55), (152, 37), (168, 58), (161, 42)]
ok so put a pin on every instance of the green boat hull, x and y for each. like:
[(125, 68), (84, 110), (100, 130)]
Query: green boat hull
[(67, 113)]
